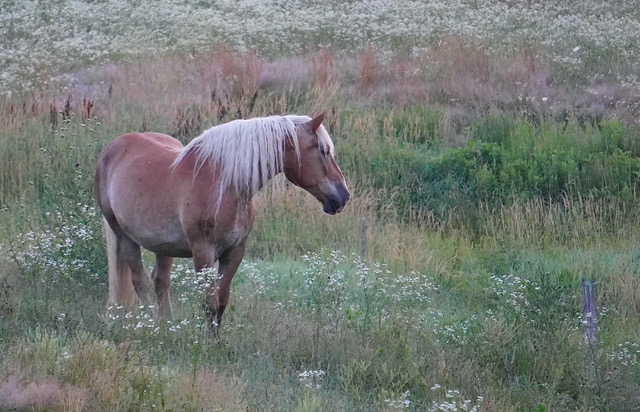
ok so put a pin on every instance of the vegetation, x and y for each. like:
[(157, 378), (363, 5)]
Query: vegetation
[(490, 174)]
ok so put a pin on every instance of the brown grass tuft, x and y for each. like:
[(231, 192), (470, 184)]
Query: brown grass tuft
[(369, 70), (238, 75), (46, 394), (210, 391), (187, 123), (323, 69)]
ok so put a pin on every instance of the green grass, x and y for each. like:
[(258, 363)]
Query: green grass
[(467, 296)]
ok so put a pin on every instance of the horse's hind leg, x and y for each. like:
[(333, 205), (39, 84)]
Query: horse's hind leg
[(121, 290), (162, 281), (131, 253)]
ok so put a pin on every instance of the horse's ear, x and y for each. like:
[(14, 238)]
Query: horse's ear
[(315, 122)]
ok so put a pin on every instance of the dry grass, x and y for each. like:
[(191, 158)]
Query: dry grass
[(209, 390), (47, 394), (323, 69), (578, 221), (90, 374), (363, 96), (369, 69), (185, 96)]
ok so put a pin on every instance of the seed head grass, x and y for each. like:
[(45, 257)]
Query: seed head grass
[(490, 174)]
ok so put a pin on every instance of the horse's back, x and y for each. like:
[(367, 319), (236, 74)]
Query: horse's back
[(137, 187), (139, 145), (134, 157)]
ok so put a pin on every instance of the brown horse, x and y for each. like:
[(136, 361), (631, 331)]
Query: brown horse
[(195, 201)]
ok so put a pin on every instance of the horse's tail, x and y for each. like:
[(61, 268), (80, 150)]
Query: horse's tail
[(121, 290)]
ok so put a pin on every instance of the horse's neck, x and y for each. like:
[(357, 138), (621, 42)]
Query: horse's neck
[(251, 181), (211, 175), (270, 175)]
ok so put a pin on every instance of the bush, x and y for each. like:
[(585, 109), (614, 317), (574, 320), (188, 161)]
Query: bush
[(505, 159)]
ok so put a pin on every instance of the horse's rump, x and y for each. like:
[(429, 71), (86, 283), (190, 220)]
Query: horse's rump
[(138, 191)]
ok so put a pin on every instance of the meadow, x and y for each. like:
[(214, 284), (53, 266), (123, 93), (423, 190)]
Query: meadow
[(492, 151)]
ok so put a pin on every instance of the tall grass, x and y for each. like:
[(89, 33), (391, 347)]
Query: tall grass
[(450, 282)]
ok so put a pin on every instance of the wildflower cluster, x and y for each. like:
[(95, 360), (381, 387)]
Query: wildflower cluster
[(625, 354), (61, 252), (189, 285), (456, 331), (340, 288), (264, 280), (143, 319), (453, 401), (513, 291), (312, 379), (401, 403)]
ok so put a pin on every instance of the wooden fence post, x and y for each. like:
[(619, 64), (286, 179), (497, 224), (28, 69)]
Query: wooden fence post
[(589, 311), (364, 242)]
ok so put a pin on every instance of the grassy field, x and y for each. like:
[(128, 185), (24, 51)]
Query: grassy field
[(490, 175)]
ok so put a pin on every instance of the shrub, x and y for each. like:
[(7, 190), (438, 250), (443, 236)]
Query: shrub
[(506, 159)]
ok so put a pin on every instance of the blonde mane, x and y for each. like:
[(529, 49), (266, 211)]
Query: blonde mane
[(248, 152)]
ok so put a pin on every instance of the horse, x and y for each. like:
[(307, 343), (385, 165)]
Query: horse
[(195, 201)]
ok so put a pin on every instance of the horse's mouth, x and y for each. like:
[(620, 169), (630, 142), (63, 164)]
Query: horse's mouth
[(335, 203), (333, 207), (333, 212)]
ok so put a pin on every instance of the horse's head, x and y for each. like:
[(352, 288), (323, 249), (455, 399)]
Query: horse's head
[(313, 167)]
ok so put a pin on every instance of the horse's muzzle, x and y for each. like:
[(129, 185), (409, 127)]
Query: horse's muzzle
[(335, 203)]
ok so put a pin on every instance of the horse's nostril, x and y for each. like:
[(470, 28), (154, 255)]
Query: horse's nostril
[(344, 194)]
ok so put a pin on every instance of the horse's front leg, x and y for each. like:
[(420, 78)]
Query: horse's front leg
[(228, 262), (218, 287), (204, 258)]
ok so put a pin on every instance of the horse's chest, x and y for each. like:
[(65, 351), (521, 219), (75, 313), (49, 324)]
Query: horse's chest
[(225, 232), (233, 234)]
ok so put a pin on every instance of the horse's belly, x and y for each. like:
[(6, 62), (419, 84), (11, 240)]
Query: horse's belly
[(166, 246), (164, 237), (171, 249)]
